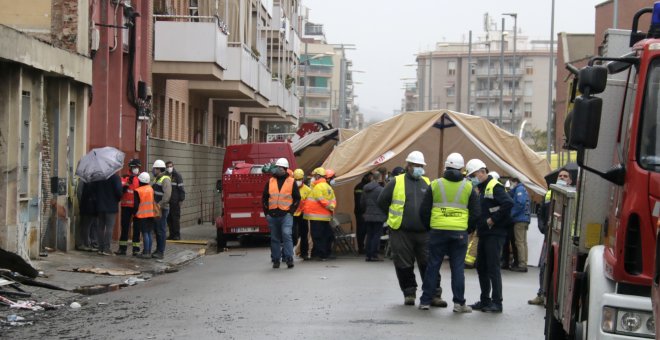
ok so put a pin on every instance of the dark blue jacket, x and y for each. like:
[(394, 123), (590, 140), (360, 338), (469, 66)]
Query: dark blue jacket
[(521, 204), (108, 194), (501, 216), (369, 203)]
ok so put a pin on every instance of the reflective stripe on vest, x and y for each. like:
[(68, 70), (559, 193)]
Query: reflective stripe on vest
[(548, 196), (304, 192), (319, 199), (127, 196), (146, 207), (450, 215), (158, 187), (395, 215), (280, 198), (488, 193)]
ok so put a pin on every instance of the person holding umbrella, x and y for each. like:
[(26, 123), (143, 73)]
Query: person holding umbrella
[(162, 193)]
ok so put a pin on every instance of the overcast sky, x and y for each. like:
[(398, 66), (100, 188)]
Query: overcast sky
[(387, 34)]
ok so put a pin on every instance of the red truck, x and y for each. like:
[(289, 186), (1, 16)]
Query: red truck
[(242, 187), (602, 234)]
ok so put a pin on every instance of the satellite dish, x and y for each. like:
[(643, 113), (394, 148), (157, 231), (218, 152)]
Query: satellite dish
[(243, 132)]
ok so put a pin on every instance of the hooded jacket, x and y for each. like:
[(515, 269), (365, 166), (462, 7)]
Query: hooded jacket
[(415, 190), (497, 209), (521, 204), (369, 203)]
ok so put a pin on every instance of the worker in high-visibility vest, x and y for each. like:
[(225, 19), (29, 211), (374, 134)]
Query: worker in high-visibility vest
[(563, 178), (493, 221), (409, 238), (450, 209), (301, 224), (162, 194), (129, 183), (319, 208), (144, 212), (280, 201)]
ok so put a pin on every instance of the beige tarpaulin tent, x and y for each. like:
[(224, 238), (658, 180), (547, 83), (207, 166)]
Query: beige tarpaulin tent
[(314, 148), (436, 134)]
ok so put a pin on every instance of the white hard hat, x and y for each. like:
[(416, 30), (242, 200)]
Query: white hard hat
[(455, 161), (416, 157), (494, 174), (159, 164), (144, 177), (473, 165), (283, 162), (507, 184)]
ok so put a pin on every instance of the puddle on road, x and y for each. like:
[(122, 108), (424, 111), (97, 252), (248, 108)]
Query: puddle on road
[(382, 322), (99, 289)]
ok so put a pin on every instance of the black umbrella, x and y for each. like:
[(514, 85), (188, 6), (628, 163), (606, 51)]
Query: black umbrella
[(551, 177)]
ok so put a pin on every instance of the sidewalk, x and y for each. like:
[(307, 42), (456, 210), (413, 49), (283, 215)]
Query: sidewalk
[(58, 267)]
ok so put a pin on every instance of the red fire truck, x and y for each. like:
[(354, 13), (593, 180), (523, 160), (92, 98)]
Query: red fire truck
[(602, 234), (242, 187)]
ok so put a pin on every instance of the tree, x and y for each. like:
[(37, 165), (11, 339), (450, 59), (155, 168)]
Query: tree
[(539, 139)]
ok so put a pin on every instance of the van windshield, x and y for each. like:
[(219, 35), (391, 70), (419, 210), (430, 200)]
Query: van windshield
[(649, 144)]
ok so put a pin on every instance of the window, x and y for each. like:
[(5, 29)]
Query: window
[(649, 143), (529, 89), (451, 90), (529, 67), (451, 68), (528, 110)]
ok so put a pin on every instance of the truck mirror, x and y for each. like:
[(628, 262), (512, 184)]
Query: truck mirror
[(585, 122), (218, 186), (592, 79)]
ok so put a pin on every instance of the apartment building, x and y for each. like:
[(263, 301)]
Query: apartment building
[(219, 65), (45, 89), (442, 79)]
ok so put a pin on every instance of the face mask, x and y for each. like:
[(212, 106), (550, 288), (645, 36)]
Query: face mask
[(475, 181), (299, 183), (170, 169), (135, 171), (418, 172), (332, 182), (561, 182)]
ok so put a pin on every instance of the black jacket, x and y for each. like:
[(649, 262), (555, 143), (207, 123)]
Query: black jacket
[(369, 203), (358, 192), (501, 217), (474, 207), (108, 194), (277, 212), (178, 193), (87, 198), (415, 191)]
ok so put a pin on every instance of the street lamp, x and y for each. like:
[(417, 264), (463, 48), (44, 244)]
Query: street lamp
[(513, 91)]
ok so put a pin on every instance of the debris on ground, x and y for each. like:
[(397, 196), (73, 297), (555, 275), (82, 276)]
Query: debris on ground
[(75, 305), (29, 305), (106, 271), (131, 281)]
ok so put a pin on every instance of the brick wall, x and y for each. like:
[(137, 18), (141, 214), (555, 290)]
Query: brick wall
[(64, 24), (200, 166)]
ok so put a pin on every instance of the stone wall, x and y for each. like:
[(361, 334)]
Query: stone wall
[(200, 166)]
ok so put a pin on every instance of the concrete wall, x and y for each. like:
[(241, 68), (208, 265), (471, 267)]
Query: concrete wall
[(200, 166)]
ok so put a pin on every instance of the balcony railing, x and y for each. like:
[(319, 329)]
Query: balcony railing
[(495, 72), (190, 39), (316, 71), (313, 90), (496, 93), (246, 68)]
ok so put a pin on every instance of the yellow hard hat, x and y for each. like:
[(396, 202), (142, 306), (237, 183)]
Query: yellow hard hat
[(298, 174), (319, 171)]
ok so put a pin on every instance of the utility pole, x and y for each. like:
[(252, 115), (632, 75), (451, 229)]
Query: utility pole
[(501, 75), (342, 89), (514, 82), (305, 85), (550, 82), (469, 75)]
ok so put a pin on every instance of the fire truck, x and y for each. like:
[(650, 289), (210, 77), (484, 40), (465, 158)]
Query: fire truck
[(242, 186), (601, 240)]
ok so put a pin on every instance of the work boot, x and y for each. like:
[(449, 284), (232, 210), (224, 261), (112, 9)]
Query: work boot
[(478, 306), (539, 300), (157, 255), (409, 300), (458, 308), (276, 264), (492, 308), (438, 302), (519, 269), (121, 251), (289, 264), (424, 307)]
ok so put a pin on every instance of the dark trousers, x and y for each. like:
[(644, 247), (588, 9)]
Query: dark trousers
[(87, 231), (488, 267), (160, 229), (174, 220), (303, 231), (408, 247), (509, 250), (453, 244), (361, 232), (372, 242), (146, 227), (126, 217), (322, 236)]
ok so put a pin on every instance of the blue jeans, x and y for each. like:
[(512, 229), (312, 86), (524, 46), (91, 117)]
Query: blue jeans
[(489, 251), (161, 231), (146, 227), (453, 244), (281, 240)]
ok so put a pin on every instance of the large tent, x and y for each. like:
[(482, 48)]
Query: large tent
[(436, 134), (314, 148)]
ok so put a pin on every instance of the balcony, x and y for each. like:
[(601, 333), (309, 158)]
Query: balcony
[(314, 91), (315, 71), (495, 72), (189, 50), (283, 106)]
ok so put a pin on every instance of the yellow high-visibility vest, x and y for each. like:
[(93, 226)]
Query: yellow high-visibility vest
[(395, 215), (450, 214)]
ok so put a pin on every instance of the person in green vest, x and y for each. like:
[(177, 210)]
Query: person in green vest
[(450, 209), (409, 238)]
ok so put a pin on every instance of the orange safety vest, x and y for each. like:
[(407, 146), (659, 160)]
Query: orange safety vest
[(320, 202), (127, 197), (280, 198), (147, 201)]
